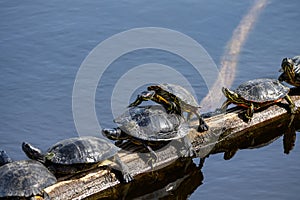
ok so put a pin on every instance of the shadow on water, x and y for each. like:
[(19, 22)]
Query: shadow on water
[(183, 177)]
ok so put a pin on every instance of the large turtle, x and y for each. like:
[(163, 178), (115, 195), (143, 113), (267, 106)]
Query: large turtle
[(25, 178), (257, 93), (174, 98), (150, 126), (78, 154), (291, 71)]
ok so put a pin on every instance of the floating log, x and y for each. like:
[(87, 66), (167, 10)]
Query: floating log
[(228, 132)]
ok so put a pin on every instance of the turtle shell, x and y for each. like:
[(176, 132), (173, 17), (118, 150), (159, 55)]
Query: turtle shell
[(176, 90), (152, 123), (262, 90), (24, 179), (81, 150)]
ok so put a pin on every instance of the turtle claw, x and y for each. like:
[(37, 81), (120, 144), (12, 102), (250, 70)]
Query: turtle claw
[(187, 153), (127, 178), (203, 127)]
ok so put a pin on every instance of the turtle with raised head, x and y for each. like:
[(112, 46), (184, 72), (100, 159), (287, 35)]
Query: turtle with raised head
[(256, 94), (23, 179), (290, 68), (175, 99), (150, 126), (78, 154)]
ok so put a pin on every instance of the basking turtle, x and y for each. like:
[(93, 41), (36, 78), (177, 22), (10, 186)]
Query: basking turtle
[(25, 178), (175, 99), (77, 154), (257, 93), (291, 71), (150, 126)]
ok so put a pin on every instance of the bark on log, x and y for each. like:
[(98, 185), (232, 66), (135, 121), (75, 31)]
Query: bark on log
[(227, 133)]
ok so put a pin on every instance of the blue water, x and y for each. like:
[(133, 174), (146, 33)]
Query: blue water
[(43, 44)]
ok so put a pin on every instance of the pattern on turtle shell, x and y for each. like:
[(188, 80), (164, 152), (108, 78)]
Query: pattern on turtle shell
[(262, 90), (86, 149), (152, 124), (24, 178)]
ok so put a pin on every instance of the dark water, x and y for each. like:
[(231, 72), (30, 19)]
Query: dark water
[(43, 44)]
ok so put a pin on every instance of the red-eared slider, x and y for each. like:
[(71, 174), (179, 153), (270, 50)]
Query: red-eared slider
[(257, 93), (150, 126), (291, 71), (175, 99), (25, 178), (77, 154)]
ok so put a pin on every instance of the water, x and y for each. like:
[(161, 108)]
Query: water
[(43, 44)]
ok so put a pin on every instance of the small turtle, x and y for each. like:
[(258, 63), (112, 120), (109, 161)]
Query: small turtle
[(257, 93), (175, 99), (150, 126), (291, 71), (77, 154), (25, 178)]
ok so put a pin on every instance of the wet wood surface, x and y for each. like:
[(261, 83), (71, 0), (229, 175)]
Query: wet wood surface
[(228, 132)]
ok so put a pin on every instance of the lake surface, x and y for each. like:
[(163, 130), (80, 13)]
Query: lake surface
[(43, 45)]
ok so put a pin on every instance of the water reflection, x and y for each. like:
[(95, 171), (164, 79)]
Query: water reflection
[(176, 181), (181, 178), (261, 137)]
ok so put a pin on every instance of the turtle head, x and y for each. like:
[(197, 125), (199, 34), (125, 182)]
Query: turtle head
[(287, 66), (232, 96), (113, 133), (4, 158), (147, 95), (33, 152), (144, 96)]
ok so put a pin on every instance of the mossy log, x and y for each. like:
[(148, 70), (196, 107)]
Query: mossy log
[(228, 132)]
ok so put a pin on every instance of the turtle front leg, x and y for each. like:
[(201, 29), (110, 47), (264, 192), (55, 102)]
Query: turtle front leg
[(170, 106), (249, 112), (124, 169), (291, 104), (292, 108), (225, 105), (282, 77), (154, 156)]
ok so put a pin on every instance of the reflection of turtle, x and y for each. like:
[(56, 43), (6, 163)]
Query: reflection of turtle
[(25, 178), (149, 126), (175, 99), (291, 71), (257, 93), (78, 154), (261, 140)]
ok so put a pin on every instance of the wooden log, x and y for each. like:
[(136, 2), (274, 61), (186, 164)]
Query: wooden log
[(227, 133)]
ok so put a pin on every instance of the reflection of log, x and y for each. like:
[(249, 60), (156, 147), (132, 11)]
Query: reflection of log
[(162, 184), (228, 133)]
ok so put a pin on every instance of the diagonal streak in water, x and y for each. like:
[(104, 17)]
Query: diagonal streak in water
[(231, 56)]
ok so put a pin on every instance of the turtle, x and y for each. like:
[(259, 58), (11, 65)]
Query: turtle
[(24, 178), (175, 99), (291, 71), (78, 154), (150, 126), (257, 93)]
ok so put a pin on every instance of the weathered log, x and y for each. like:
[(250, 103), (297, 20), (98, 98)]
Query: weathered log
[(228, 133)]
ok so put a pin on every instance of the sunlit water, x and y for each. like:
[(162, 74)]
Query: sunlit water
[(42, 45)]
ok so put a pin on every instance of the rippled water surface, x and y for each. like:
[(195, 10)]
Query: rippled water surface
[(43, 44)]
